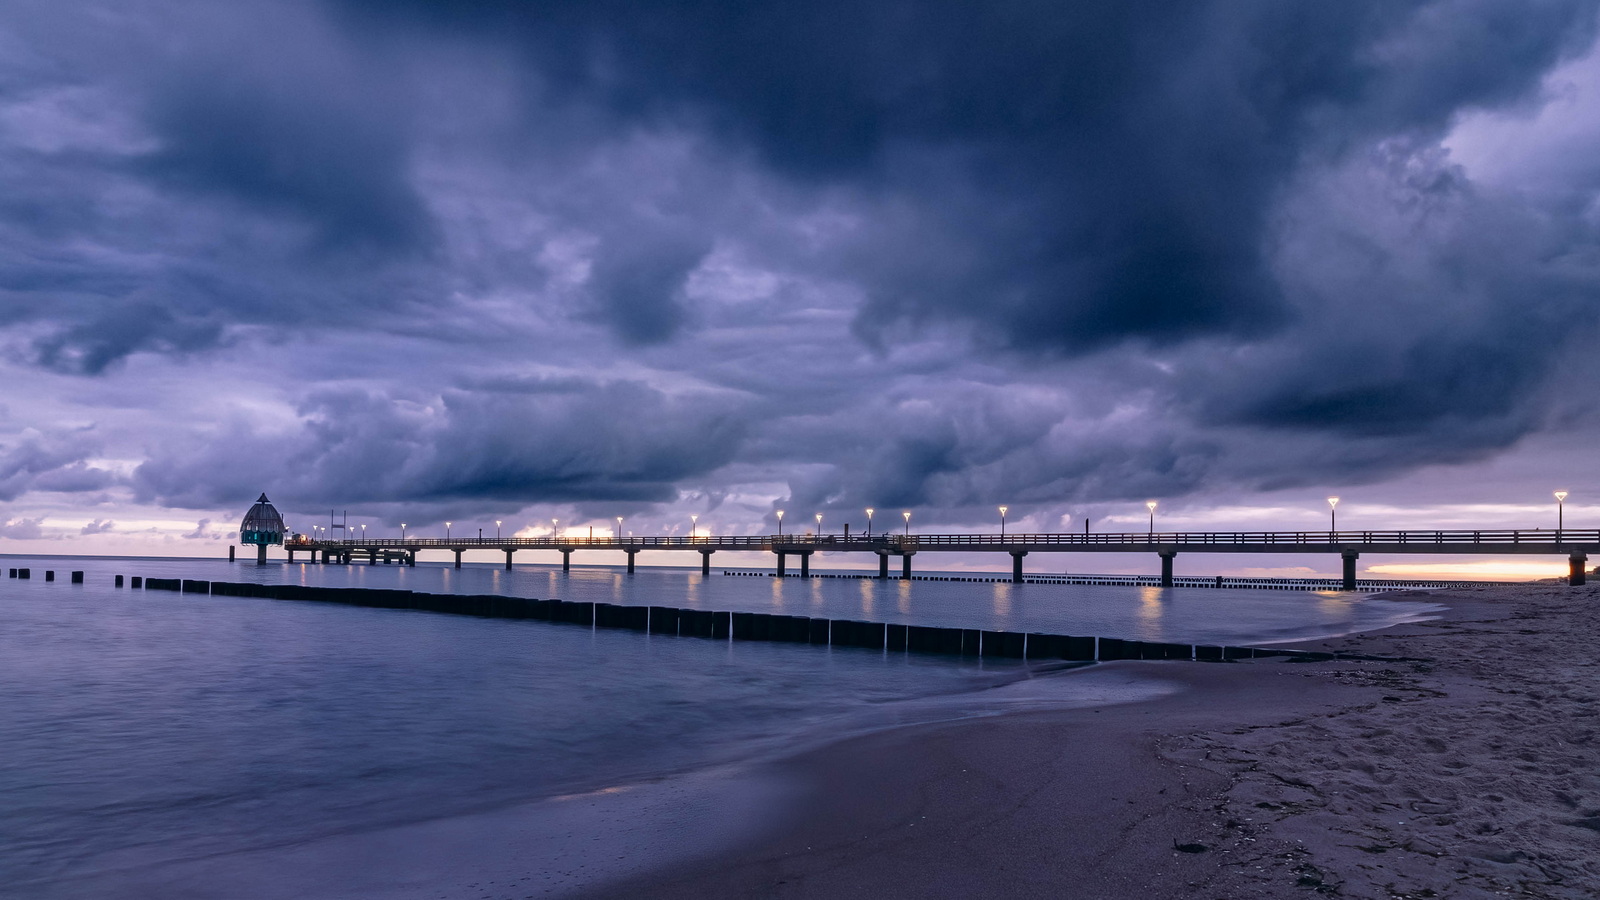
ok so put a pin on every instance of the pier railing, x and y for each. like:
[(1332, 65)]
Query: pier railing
[(1445, 540)]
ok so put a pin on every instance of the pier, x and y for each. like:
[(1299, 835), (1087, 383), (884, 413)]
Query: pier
[(1575, 545)]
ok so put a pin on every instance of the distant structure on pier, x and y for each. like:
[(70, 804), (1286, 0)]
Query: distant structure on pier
[(262, 526)]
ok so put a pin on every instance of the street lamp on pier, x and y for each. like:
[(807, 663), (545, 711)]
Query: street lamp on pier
[(1002, 523), (819, 524), (497, 529), (869, 521), (694, 525), (553, 533), (907, 514), (1151, 505), (780, 523), (619, 528), (402, 532), (447, 531), (1561, 503), (1333, 515)]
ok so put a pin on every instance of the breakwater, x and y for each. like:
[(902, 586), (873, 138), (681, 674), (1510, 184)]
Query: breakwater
[(743, 626)]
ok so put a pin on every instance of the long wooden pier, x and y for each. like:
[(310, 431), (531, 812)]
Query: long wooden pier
[(1574, 544)]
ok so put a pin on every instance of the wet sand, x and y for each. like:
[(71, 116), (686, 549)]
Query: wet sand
[(1471, 768)]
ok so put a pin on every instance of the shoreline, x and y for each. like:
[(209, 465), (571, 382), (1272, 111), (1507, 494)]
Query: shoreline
[(1060, 802), (1454, 775)]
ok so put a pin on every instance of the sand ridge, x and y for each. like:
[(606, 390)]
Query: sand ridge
[(1474, 773)]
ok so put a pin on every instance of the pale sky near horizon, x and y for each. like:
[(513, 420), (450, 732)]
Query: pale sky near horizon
[(467, 261)]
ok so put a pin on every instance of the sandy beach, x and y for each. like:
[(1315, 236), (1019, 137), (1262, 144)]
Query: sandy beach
[(1463, 764)]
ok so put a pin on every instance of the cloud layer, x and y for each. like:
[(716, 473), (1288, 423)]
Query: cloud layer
[(432, 259)]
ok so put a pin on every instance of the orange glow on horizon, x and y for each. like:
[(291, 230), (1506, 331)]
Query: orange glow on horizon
[(1489, 569)]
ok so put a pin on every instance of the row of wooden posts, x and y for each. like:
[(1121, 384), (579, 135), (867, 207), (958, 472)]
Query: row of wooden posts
[(740, 626)]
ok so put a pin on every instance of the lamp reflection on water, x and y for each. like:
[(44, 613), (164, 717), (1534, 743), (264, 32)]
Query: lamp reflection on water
[(1002, 598), (1152, 608)]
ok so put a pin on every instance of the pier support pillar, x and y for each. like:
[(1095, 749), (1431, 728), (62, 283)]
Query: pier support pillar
[(411, 559), (631, 555), (805, 564), (372, 556), (230, 553), (508, 558), (1576, 562), (1016, 565), (1166, 567), (883, 565), (566, 560), (705, 562), (261, 554), (782, 558), (905, 565), (1349, 581), (291, 557), (458, 559)]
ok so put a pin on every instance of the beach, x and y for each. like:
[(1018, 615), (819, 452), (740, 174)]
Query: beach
[(1461, 762)]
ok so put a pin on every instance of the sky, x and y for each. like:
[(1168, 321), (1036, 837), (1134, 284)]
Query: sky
[(480, 260)]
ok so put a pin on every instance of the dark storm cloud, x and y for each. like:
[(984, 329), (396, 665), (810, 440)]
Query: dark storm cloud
[(286, 143), (520, 441), (36, 461), (1197, 244), (1075, 175)]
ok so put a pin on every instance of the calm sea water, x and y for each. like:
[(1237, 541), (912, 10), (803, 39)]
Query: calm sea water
[(137, 727)]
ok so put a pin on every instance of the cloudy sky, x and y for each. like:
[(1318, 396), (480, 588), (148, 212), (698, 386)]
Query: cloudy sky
[(469, 260)]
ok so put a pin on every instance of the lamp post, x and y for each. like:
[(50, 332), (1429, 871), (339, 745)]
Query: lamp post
[(694, 524), (619, 528), (497, 529), (1333, 515), (780, 523), (1561, 502), (1002, 523), (447, 531), (907, 514), (1151, 505), (402, 532), (363, 531), (869, 521), (553, 532), (819, 524)]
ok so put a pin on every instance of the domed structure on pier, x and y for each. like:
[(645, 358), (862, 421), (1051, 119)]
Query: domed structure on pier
[(262, 525)]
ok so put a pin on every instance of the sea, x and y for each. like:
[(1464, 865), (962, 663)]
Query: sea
[(148, 729)]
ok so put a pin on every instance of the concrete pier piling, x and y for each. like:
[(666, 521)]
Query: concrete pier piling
[(705, 562), (1016, 565), (1575, 568), (1349, 557), (1167, 556)]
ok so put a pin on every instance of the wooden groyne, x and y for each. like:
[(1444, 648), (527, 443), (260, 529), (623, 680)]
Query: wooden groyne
[(887, 637)]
